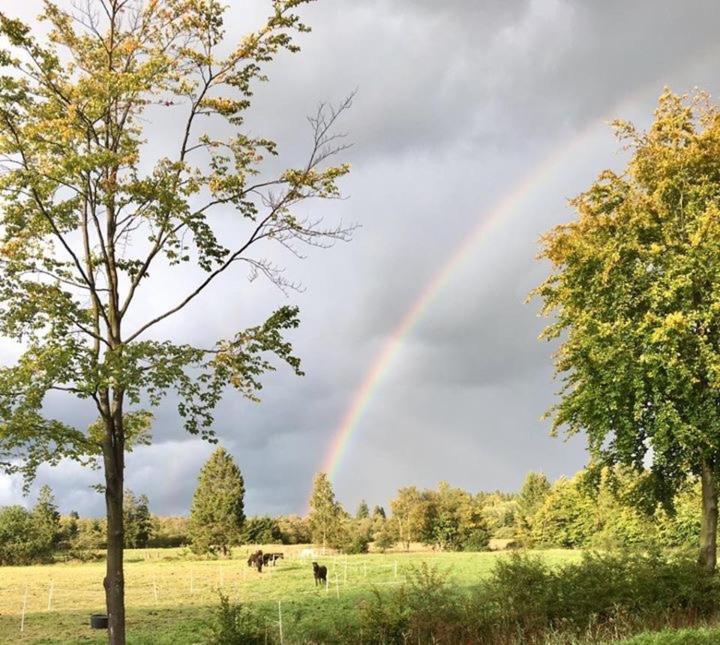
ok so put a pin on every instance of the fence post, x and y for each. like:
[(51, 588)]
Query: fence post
[(282, 642), (396, 569), (24, 607), (155, 591), (50, 595)]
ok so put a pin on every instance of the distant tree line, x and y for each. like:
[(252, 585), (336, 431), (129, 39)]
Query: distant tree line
[(596, 508)]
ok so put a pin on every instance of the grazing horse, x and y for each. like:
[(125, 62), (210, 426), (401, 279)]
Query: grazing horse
[(272, 558), (320, 573), (256, 560)]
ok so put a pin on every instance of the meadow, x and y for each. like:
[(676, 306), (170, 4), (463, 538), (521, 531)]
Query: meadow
[(171, 594)]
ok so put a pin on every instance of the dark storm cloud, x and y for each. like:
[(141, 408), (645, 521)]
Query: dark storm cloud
[(458, 102)]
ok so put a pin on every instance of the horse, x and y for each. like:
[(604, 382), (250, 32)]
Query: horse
[(320, 573), (269, 558), (256, 560)]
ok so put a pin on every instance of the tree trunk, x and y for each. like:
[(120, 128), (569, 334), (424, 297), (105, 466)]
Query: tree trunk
[(114, 582), (708, 528)]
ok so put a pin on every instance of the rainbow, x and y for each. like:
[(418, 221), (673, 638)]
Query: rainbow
[(379, 367)]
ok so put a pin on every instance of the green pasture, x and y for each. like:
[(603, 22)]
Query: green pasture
[(170, 594)]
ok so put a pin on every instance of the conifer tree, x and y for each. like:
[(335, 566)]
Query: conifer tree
[(217, 514), (46, 519), (363, 512), (378, 511)]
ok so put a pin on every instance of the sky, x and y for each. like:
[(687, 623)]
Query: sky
[(462, 106)]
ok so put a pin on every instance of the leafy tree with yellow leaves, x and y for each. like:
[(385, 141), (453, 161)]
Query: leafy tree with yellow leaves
[(91, 217), (635, 297)]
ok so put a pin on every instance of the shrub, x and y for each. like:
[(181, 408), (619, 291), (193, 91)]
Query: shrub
[(21, 541), (426, 609), (593, 593), (386, 537), (357, 543), (527, 601), (236, 624), (385, 618), (261, 530)]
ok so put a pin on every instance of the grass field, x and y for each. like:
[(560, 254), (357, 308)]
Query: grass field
[(170, 594)]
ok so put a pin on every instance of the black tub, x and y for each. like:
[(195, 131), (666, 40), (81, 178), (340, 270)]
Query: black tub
[(99, 621)]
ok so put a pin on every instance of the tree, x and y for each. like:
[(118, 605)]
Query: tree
[(91, 217), (363, 512), (261, 530), (217, 514), (378, 512), (294, 529), (169, 532), (20, 541), (456, 520), (681, 527), (499, 511), (46, 518), (621, 522), (92, 535), (535, 489), (137, 521), (566, 517), (386, 536), (70, 530), (633, 293), (410, 510), (325, 511)]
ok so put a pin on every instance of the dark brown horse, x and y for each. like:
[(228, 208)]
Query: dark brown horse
[(320, 573), (256, 560)]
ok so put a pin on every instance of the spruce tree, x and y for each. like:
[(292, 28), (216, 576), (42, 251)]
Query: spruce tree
[(46, 519), (363, 512), (217, 513)]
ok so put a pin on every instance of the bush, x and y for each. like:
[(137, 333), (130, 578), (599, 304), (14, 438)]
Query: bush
[(525, 601), (426, 609), (356, 544), (261, 530), (592, 595), (385, 618), (236, 624), (385, 537), (169, 532), (21, 541)]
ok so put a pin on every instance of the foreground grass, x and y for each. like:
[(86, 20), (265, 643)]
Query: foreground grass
[(170, 595)]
